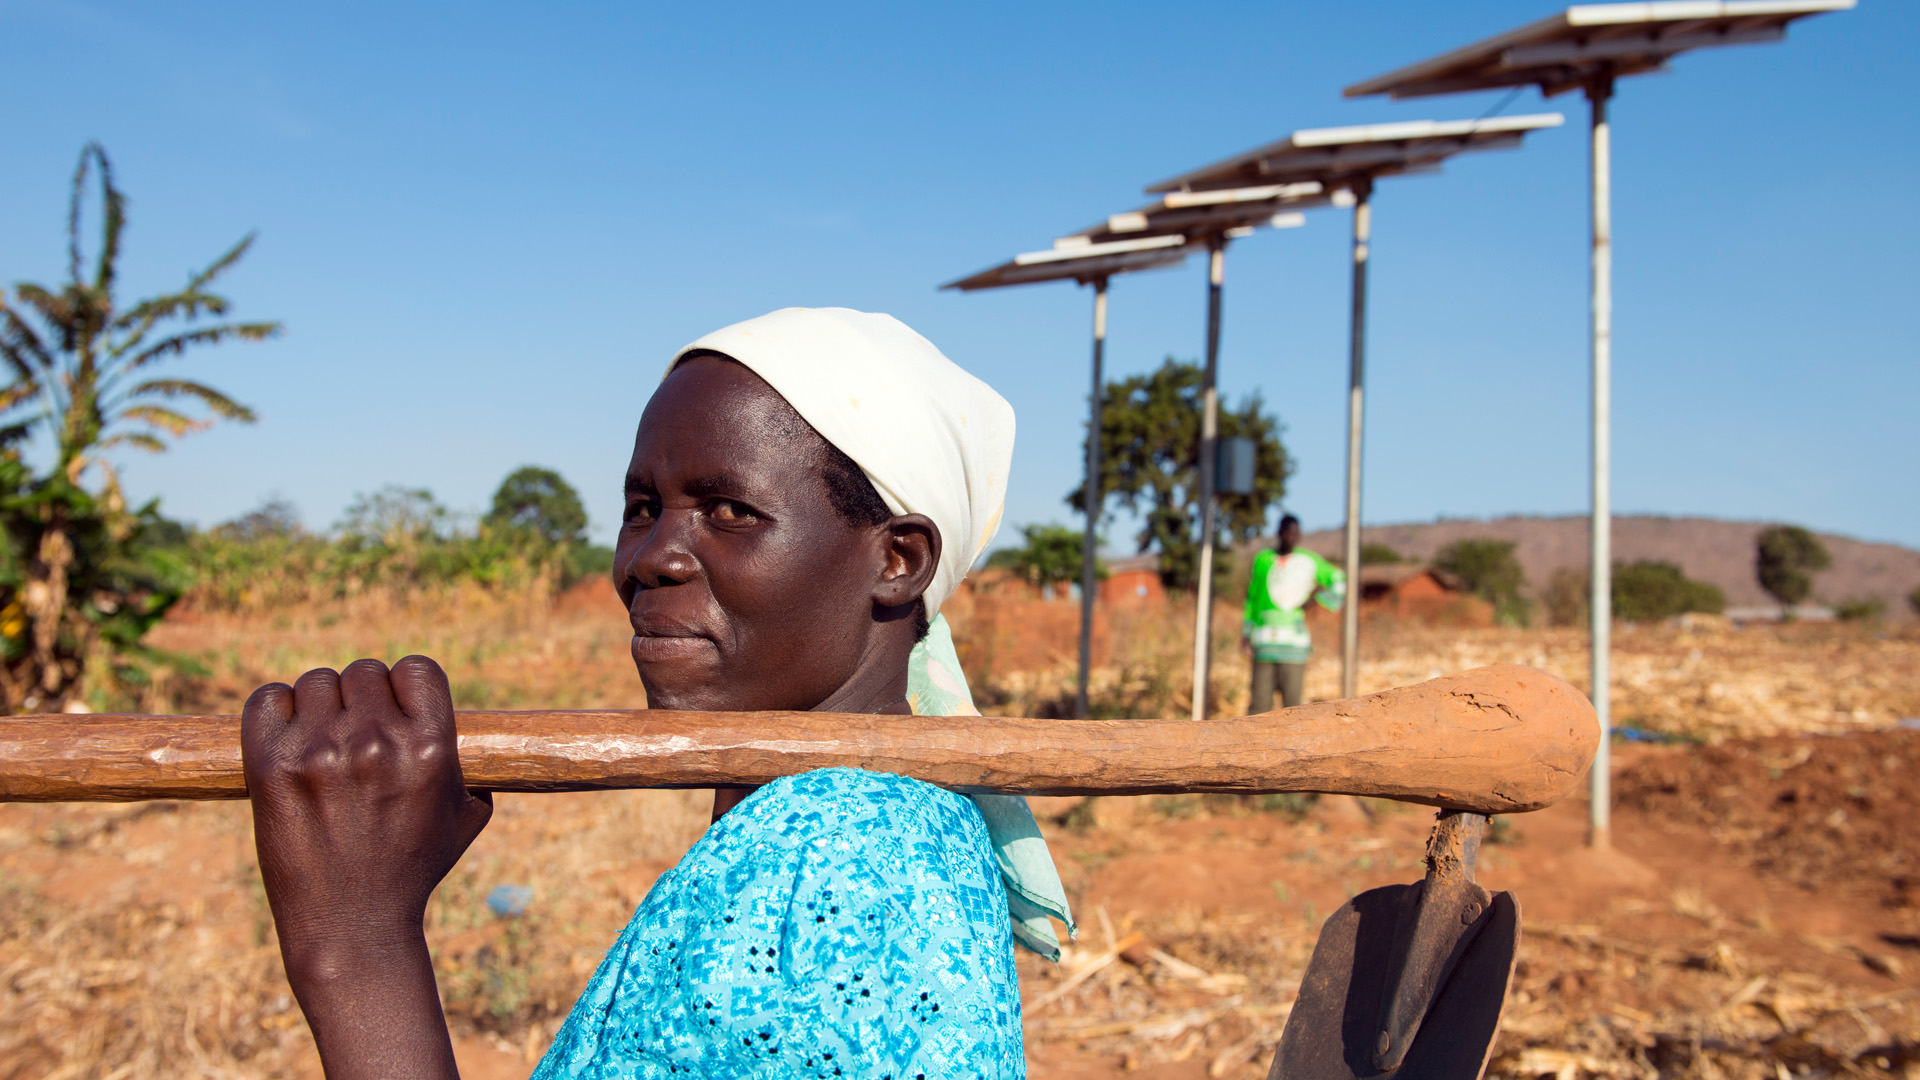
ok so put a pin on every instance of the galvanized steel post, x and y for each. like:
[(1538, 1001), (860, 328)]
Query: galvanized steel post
[(1209, 431), (1092, 502), (1356, 417), (1601, 601)]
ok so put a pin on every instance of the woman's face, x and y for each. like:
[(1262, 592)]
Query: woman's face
[(747, 591)]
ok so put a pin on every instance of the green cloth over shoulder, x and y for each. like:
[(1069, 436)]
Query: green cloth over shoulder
[(937, 687)]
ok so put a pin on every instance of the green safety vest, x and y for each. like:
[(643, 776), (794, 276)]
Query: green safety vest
[(1276, 621)]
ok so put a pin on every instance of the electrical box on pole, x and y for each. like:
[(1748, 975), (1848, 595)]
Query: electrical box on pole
[(1233, 466)]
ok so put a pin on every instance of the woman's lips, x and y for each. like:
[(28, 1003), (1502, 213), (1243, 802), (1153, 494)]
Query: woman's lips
[(663, 649)]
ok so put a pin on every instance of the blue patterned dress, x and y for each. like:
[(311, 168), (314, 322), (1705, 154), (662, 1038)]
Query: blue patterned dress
[(839, 923)]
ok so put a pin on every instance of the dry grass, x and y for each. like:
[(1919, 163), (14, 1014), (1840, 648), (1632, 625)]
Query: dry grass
[(1215, 993), (1623, 973), (134, 941), (1721, 1013), (500, 648), (1696, 677), (1693, 678)]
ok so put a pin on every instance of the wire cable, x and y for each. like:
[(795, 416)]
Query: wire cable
[(1501, 105)]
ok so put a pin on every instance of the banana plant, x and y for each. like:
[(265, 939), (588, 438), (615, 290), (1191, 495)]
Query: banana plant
[(85, 381)]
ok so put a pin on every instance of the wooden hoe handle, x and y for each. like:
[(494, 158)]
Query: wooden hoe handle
[(1495, 740)]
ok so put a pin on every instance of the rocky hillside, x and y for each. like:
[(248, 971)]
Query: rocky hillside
[(1719, 552)]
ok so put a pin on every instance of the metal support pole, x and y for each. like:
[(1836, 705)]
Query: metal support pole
[(1088, 582), (1209, 431), (1601, 603), (1356, 416)]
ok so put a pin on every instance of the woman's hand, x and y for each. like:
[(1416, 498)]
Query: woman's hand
[(359, 811)]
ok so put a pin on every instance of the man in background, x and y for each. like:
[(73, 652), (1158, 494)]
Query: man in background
[(1276, 621)]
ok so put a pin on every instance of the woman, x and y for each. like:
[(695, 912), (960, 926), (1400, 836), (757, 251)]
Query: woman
[(805, 488)]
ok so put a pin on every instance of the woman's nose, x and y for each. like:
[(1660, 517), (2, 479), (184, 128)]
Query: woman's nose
[(664, 557)]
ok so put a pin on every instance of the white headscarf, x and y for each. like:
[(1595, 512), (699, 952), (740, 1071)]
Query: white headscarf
[(932, 438)]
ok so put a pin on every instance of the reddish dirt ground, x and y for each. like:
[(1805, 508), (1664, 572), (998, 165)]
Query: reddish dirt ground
[(1756, 918), (1700, 945), (1839, 812)]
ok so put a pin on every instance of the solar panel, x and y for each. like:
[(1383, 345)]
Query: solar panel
[(1570, 49), (1085, 264), (1342, 156)]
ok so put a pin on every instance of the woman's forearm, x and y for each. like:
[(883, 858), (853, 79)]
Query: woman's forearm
[(374, 1008), (359, 811)]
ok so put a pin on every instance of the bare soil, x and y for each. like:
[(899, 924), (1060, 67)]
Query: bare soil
[(1836, 814), (1755, 917), (1686, 950)]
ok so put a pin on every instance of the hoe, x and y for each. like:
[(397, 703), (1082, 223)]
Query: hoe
[(1406, 981)]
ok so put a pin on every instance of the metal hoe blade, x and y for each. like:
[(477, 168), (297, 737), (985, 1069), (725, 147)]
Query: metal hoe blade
[(1408, 981)]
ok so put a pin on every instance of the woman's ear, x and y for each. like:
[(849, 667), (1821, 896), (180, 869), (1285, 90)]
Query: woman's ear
[(913, 554)]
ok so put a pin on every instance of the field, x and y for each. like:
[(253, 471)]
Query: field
[(1760, 916)]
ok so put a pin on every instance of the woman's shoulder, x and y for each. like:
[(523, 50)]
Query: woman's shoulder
[(843, 799), (844, 822), (849, 824)]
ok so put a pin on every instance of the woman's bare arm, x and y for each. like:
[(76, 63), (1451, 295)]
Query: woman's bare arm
[(374, 1008), (359, 811)]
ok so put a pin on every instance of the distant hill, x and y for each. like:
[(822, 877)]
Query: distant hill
[(1719, 552)]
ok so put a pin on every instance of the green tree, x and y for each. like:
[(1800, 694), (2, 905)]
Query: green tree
[(539, 502), (1488, 569), (78, 570), (1913, 599), (1380, 555), (1861, 609), (1150, 449), (393, 517), (1568, 596), (1050, 555), (1785, 558), (1642, 591), (275, 517), (1647, 590)]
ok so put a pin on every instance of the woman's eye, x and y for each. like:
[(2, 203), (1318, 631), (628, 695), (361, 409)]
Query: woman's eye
[(728, 510)]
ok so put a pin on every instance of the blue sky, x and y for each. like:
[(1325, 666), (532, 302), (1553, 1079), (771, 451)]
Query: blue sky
[(486, 227)]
